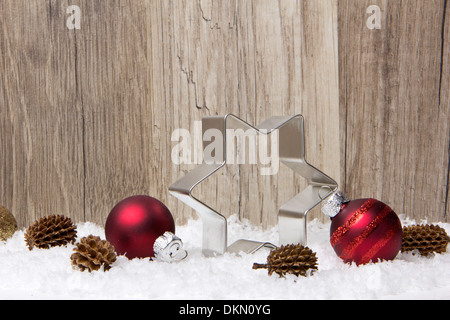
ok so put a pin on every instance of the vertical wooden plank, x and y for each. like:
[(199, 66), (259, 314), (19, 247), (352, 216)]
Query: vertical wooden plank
[(41, 162), (200, 42), (320, 82), (444, 99), (269, 73), (396, 131), (123, 156)]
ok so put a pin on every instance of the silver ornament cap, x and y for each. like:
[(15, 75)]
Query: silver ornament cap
[(333, 205), (169, 248)]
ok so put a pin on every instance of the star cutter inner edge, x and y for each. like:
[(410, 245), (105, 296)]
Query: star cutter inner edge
[(291, 216)]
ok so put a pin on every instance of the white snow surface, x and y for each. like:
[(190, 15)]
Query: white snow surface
[(47, 274)]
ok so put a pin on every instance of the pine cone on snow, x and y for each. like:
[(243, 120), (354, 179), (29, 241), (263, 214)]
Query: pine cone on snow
[(290, 259), (425, 238), (91, 253), (8, 224), (51, 231)]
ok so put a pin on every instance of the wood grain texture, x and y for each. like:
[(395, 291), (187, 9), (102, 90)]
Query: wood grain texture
[(41, 162), (444, 98), (395, 111), (87, 115)]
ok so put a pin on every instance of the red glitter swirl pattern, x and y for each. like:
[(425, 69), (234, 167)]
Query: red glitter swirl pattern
[(348, 252), (342, 230), (378, 246)]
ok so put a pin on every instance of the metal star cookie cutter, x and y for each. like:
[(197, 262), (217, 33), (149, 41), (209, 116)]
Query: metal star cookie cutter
[(291, 216)]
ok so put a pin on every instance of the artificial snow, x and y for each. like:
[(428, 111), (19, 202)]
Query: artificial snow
[(47, 274)]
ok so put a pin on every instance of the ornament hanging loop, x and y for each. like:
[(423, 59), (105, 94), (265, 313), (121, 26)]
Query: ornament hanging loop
[(169, 248), (333, 206)]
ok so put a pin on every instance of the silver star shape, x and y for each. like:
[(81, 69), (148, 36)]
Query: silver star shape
[(291, 216)]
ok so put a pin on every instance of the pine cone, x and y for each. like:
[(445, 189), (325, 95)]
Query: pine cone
[(290, 259), (92, 253), (425, 238), (51, 231), (8, 224)]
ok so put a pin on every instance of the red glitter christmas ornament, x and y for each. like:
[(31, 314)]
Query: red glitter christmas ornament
[(363, 230), (134, 225)]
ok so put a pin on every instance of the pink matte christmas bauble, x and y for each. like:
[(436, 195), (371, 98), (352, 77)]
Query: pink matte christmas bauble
[(135, 223), (366, 230)]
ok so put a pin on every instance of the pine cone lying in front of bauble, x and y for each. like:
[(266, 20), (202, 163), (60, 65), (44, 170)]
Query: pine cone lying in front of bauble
[(290, 259), (425, 239), (51, 231), (91, 253)]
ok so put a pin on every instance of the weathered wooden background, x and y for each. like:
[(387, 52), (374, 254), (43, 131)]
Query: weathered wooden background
[(395, 105), (86, 116)]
